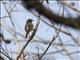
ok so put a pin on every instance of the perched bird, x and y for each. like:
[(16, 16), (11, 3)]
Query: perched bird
[(28, 27)]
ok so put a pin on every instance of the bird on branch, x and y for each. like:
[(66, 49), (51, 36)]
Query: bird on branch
[(28, 27)]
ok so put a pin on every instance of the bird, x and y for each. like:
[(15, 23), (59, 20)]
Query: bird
[(28, 27)]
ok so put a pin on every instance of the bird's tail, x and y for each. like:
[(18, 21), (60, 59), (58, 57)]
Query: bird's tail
[(26, 34)]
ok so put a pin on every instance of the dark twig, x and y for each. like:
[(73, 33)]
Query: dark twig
[(1, 58), (6, 55), (4, 51)]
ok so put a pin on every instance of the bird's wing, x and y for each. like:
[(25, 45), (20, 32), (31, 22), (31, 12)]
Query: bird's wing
[(26, 27)]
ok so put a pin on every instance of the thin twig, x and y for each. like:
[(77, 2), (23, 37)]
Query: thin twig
[(71, 7), (74, 39), (54, 37), (6, 56), (4, 51), (4, 17), (65, 50), (13, 7), (9, 13)]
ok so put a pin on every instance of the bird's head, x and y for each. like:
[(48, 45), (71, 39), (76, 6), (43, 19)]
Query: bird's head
[(29, 20)]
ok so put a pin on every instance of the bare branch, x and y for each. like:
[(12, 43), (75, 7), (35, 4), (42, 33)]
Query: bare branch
[(54, 37), (9, 13)]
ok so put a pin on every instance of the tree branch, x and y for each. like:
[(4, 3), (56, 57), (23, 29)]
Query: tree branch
[(71, 22)]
